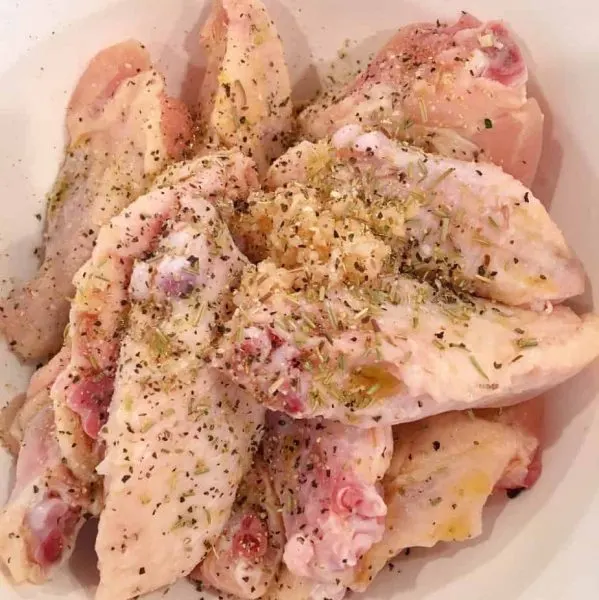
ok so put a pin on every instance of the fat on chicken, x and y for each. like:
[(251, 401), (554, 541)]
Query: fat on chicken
[(397, 353), (98, 318), (245, 96), (179, 436), (247, 556), (469, 225), (442, 473), (457, 90), (122, 129), (327, 477)]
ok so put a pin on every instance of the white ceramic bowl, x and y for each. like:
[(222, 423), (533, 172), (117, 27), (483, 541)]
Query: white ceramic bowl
[(543, 545)]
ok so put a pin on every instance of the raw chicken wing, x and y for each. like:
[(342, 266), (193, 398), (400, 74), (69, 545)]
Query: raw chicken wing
[(327, 478), (248, 554), (457, 90), (245, 100), (395, 354), (470, 226), (179, 437), (122, 129), (443, 471), (83, 391), (46, 508)]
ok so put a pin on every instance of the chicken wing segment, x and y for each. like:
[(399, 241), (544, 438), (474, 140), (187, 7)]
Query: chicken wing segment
[(397, 353), (443, 471), (246, 557), (98, 319), (469, 225), (327, 478), (245, 98), (47, 506), (458, 90), (122, 129), (178, 438)]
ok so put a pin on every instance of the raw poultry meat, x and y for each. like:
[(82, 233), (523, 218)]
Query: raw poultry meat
[(527, 421), (38, 528), (98, 318), (470, 226), (171, 483), (399, 353), (47, 506), (17, 414), (248, 554), (245, 96), (443, 471), (179, 437), (327, 477), (457, 90), (83, 390), (122, 129)]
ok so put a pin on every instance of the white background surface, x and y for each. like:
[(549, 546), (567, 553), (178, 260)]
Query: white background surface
[(542, 546)]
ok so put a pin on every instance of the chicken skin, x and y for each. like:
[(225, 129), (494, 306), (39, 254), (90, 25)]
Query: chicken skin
[(245, 96), (397, 353), (122, 130), (457, 90), (469, 225), (179, 437)]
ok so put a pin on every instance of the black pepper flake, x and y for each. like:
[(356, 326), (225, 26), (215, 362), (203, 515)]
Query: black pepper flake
[(488, 124), (142, 570), (436, 445)]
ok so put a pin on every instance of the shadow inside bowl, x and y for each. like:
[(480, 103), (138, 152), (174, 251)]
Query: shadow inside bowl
[(84, 562)]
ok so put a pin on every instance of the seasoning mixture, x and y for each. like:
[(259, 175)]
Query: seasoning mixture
[(285, 348)]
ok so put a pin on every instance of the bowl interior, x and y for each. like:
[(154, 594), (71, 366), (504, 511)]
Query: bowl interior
[(542, 545)]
